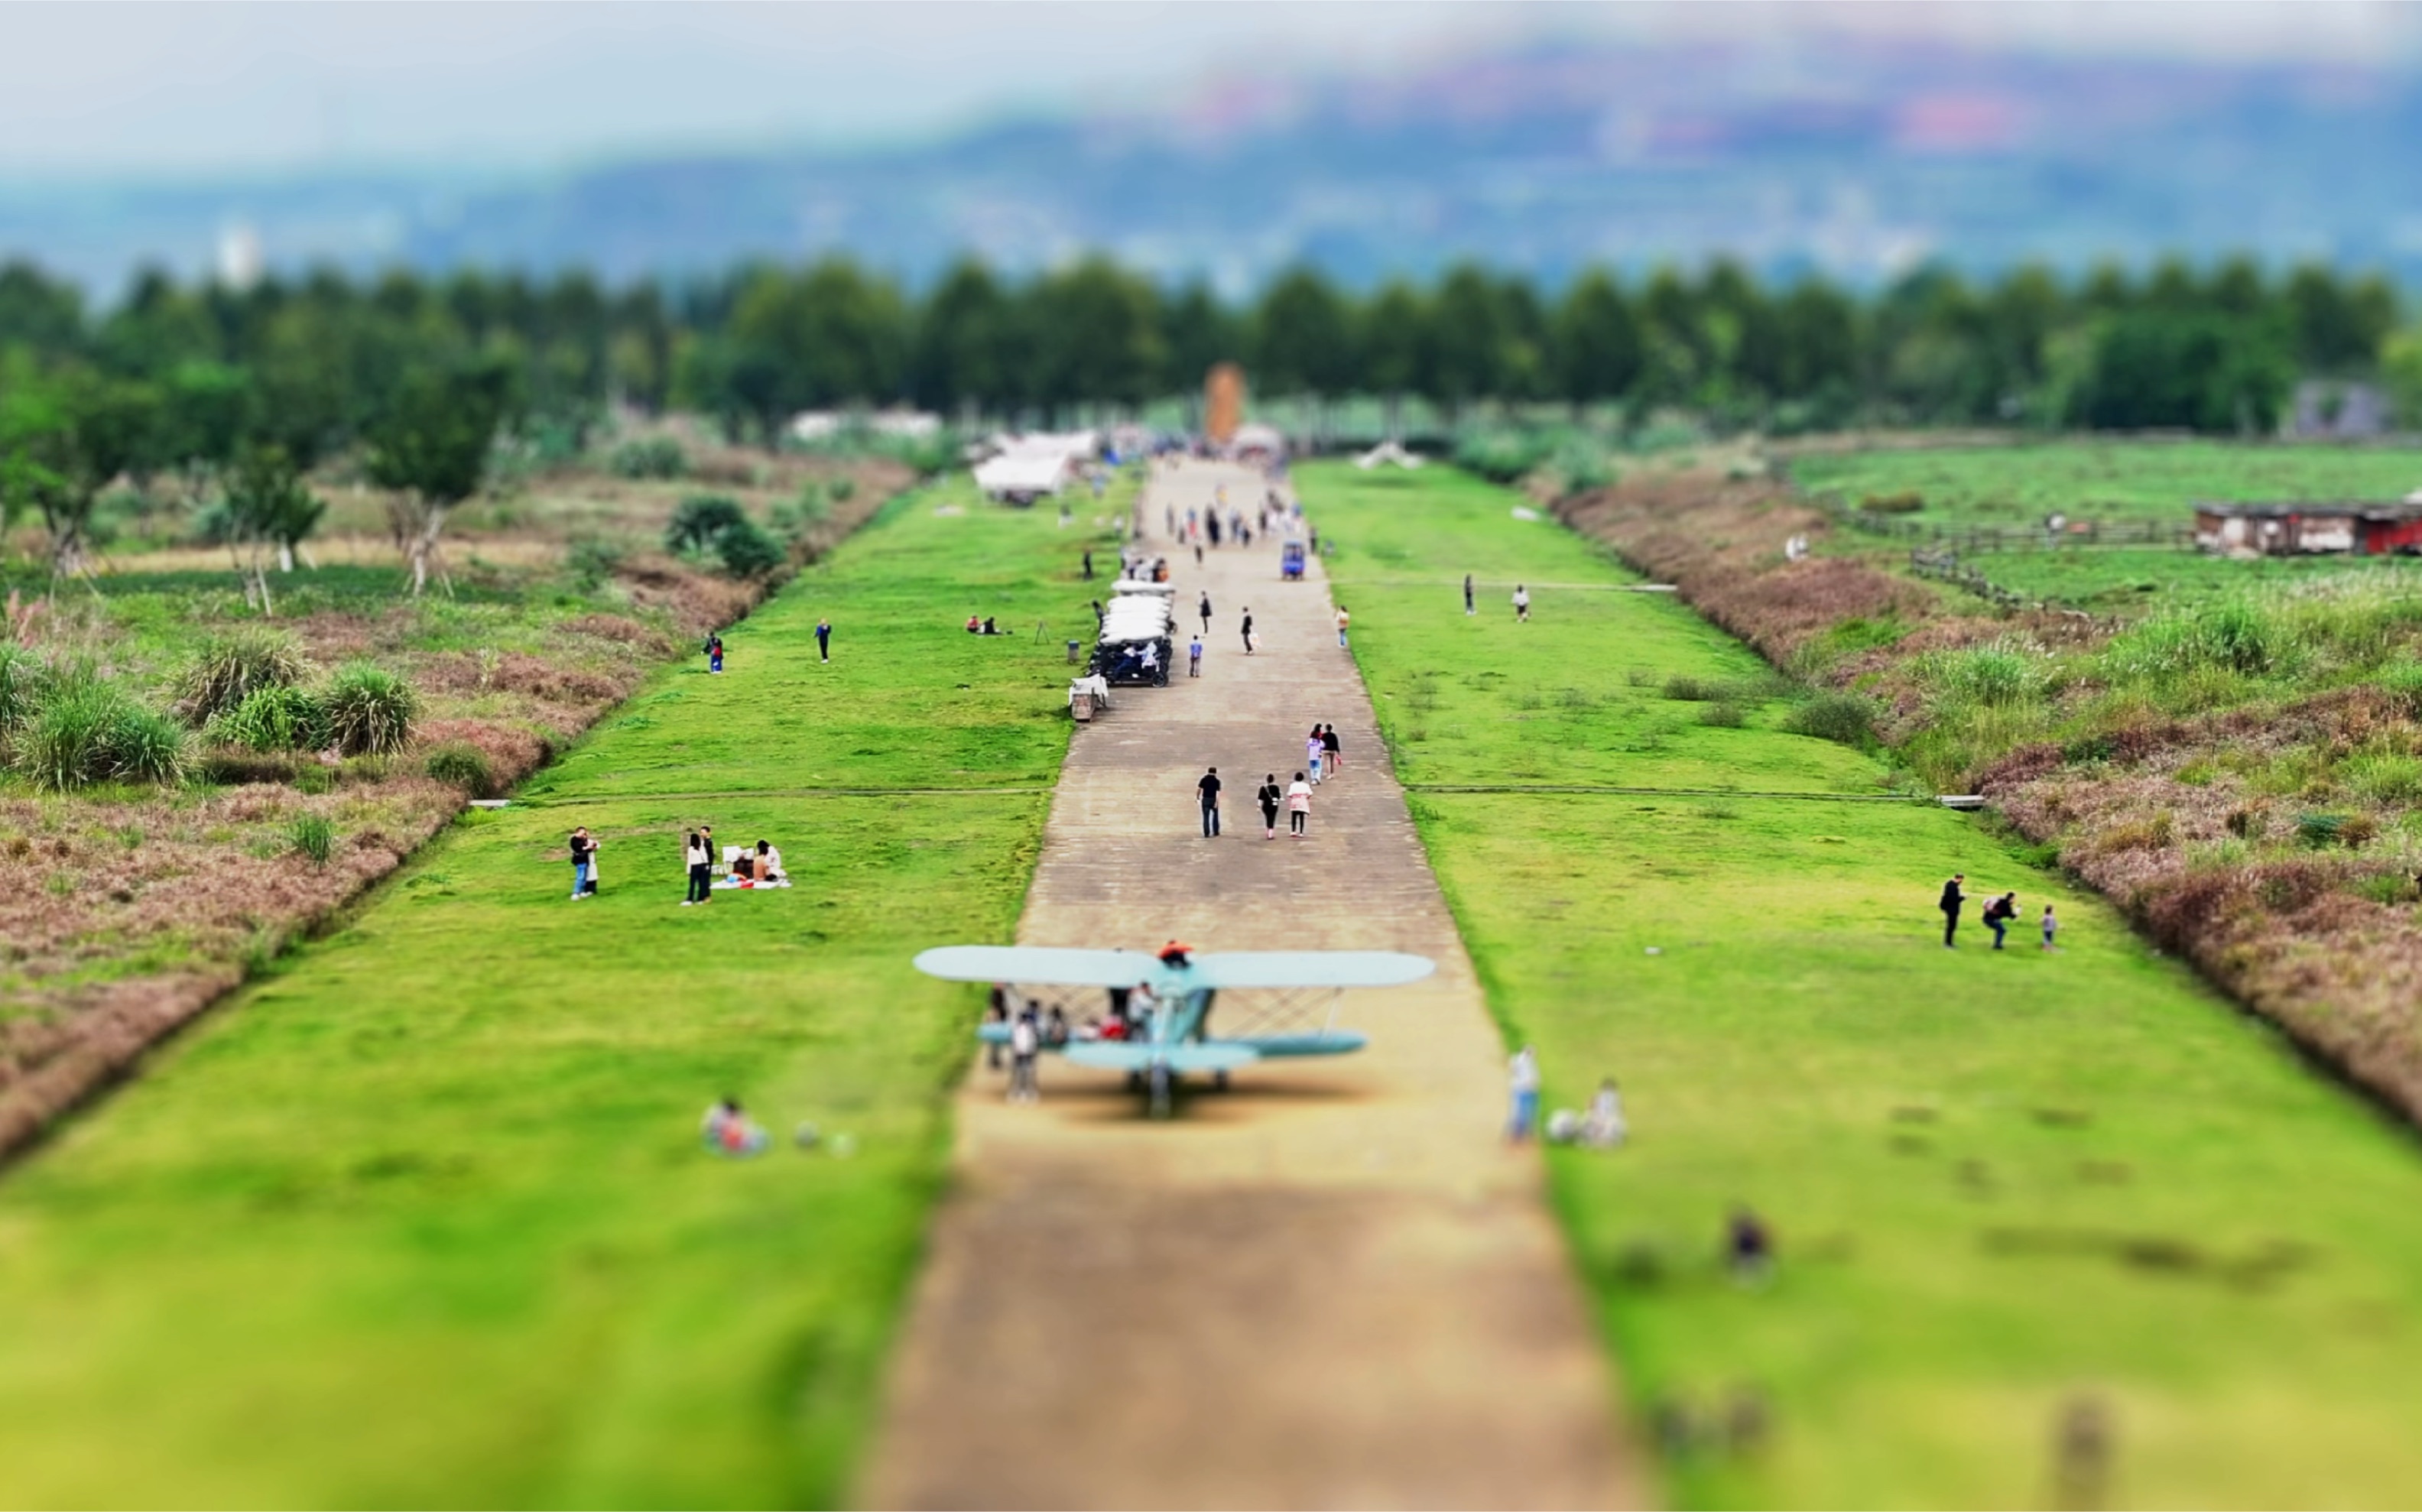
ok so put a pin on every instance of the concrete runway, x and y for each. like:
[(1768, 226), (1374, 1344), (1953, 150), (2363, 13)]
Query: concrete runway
[(1332, 1285)]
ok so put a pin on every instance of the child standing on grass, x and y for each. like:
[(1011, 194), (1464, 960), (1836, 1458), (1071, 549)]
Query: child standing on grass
[(2049, 924)]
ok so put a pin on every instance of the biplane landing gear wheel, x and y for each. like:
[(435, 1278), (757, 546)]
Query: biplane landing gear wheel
[(1160, 1084)]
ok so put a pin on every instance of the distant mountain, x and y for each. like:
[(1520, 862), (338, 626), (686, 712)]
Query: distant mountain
[(1858, 157)]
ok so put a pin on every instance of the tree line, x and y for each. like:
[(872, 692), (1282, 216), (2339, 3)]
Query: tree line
[(417, 374)]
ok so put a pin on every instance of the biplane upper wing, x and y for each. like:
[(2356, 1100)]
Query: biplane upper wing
[(1066, 967), (1309, 969)]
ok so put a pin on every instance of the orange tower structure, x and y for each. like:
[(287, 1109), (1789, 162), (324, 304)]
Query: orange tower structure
[(1224, 402)]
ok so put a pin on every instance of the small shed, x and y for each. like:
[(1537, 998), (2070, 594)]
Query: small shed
[(2361, 529)]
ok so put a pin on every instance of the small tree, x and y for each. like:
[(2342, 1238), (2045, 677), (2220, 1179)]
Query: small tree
[(270, 508), (430, 448)]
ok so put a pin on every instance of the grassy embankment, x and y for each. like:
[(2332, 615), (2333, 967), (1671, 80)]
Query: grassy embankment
[(2116, 479), (1999, 1182), (422, 1218)]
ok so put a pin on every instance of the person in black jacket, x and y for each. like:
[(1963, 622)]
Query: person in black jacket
[(1268, 799), (1999, 913), (1209, 788), (1952, 899)]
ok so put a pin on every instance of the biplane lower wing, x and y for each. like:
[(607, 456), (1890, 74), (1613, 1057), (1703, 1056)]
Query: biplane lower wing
[(1120, 1055)]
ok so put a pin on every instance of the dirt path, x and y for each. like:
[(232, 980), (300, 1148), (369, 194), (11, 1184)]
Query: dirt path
[(1330, 1286)]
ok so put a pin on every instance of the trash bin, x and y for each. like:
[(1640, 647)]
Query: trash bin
[(1080, 707), (1072, 647)]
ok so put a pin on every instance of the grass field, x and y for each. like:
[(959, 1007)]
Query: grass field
[(1999, 1183), (423, 1220), (2126, 580), (2089, 480)]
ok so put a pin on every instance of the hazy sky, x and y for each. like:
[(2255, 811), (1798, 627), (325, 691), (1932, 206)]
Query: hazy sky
[(178, 89)]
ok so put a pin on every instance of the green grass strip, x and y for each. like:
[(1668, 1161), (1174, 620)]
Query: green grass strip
[(422, 1219), (1999, 1182)]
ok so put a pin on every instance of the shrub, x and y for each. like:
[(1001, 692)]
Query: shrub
[(2385, 778), (369, 710), (2402, 682), (591, 560), (464, 766), (229, 669), (2321, 829), (1722, 714), (1843, 718), (2248, 821), (843, 490), (701, 520), (748, 551), (661, 457), (22, 682), (272, 719), (1998, 676), (312, 835), (148, 747), (1683, 690), (90, 730), (1907, 501)]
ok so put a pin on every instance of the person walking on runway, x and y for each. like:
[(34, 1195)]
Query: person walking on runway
[(1333, 752), (1269, 798), (1298, 802), (1205, 609), (1247, 631), (1209, 788)]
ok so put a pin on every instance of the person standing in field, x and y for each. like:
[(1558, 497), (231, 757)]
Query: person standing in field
[(581, 847), (1298, 802), (1268, 799), (1333, 752), (714, 652), (2049, 925), (1468, 608), (1089, 563), (1209, 789), (694, 856), (823, 638), (1522, 1083), (1952, 899), (1521, 603), (1025, 1043), (1247, 632), (1205, 610)]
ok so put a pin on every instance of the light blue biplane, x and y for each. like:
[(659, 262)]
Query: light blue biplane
[(1171, 1015)]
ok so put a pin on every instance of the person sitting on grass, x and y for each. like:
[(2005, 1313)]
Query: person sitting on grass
[(974, 624), (1602, 1126), (727, 1130), (769, 864)]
